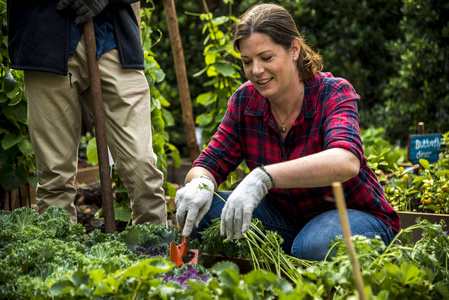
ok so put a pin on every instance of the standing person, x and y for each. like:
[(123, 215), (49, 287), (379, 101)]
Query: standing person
[(45, 40), (297, 129)]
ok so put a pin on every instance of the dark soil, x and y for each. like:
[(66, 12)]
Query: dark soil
[(88, 202)]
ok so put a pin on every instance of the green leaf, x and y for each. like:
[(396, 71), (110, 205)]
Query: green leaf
[(227, 272), (25, 147), (225, 69), (122, 213), (91, 151), (424, 163), (204, 98), (433, 208), (410, 274), (9, 82), (11, 179), (10, 140), (159, 75), (146, 268), (418, 179), (3, 98), (171, 190), (61, 288), (32, 180), (442, 289)]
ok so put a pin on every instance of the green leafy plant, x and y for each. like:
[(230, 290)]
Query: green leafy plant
[(427, 191), (17, 159), (381, 152), (224, 75), (263, 247), (44, 257)]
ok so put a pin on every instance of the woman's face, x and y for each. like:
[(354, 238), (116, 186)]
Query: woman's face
[(271, 69)]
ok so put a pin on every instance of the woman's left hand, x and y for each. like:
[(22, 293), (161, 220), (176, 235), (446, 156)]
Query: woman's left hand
[(237, 212)]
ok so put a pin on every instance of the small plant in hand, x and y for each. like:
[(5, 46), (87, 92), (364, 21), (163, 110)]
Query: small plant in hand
[(263, 247)]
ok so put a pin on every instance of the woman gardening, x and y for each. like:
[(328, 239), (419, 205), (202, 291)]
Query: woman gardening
[(297, 128)]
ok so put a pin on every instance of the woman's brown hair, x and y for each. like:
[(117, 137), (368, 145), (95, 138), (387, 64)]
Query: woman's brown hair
[(274, 21)]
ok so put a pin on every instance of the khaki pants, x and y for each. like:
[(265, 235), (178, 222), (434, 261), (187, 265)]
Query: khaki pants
[(54, 117)]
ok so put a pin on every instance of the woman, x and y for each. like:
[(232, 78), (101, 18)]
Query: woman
[(298, 130)]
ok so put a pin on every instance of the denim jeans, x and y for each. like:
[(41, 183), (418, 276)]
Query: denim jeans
[(310, 241)]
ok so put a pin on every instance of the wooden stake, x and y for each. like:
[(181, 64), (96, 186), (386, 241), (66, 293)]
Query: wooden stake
[(181, 77), (100, 126), (342, 212)]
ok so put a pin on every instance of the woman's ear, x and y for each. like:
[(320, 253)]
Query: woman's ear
[(296, 47)]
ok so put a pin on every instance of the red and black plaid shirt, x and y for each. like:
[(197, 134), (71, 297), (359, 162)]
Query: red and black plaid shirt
[(329, 119)]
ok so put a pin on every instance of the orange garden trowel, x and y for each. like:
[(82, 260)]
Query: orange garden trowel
[(181, 254)]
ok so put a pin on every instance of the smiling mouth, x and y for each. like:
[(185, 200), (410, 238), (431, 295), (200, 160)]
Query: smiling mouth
[(262, 82)]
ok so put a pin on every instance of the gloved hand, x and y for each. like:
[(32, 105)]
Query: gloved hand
[(238, 210), (193, 202), (85, 9)]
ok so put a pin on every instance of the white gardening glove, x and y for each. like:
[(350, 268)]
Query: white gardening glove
[(193, 202), (238, 210)]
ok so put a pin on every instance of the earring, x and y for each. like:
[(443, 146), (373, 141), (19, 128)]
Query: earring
[(294, 58)]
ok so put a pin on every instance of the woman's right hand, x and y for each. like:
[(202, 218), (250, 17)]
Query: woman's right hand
[(193, 202)]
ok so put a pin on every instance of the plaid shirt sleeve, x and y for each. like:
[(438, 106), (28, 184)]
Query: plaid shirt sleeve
[(341, 123)]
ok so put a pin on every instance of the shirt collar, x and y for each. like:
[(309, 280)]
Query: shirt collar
[(258, 105)]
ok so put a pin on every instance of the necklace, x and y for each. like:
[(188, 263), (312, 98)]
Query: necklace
[(282, 127)]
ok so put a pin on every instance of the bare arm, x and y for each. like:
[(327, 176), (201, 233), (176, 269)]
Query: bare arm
[(197, 172), (316, 170)]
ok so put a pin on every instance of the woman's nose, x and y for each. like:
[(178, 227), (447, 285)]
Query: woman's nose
[(257, 67)]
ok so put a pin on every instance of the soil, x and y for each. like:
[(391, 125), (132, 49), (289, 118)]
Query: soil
[(88, 202)]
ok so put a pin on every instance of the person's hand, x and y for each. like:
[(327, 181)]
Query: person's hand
[(85, 9), (193, 202), (238, 210)]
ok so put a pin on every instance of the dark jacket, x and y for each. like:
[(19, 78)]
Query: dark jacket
[(39, 39)]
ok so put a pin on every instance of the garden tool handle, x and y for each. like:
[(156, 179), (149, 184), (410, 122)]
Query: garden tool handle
[(100, 127), (342, 212)]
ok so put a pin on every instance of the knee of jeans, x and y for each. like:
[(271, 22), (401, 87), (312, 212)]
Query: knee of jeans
[(310, 249)]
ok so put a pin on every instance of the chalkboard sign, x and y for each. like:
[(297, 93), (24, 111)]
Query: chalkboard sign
[(424, 146)]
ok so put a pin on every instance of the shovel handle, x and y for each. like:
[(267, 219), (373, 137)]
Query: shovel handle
[(100, 127)]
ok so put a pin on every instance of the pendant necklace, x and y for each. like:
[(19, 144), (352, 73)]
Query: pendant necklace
[(282, 127)]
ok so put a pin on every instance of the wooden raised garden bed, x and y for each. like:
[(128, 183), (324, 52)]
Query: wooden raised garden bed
[(409, 218)]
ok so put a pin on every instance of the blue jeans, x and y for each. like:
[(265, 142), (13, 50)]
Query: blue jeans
[(310, 241)]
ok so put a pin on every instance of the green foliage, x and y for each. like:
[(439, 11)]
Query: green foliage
[(160, 116), (382, 156), (17, 159), (427, 191), (40, 254), (68, 265), (224, 75), (352, 38), (419, 90)]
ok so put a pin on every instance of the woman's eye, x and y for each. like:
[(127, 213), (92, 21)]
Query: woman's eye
[(267, 58), (246, 62)]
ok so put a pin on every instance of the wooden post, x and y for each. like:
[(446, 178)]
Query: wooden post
[(342, 212), (421, 131), (181, 78), (421, 128)]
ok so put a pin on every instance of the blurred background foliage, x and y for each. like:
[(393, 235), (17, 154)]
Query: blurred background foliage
[(395, 53)]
